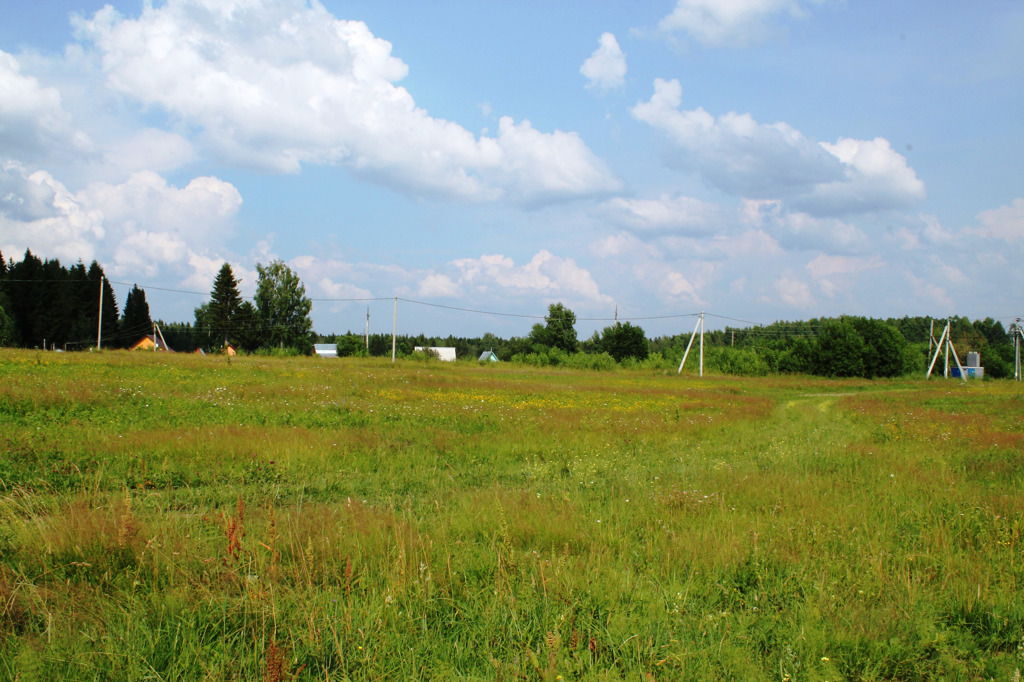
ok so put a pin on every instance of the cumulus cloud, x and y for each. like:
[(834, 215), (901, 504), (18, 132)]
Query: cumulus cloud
[(436, 285), (32, 117), (738, 155), (37, 211), (148, 149), (605, 69), (733, 152), (794, 229), (545, 275), (926, 230), (831, 266), (730, 22), (141, 225), (1005, 223), (930, 293), (338, 279), (833, 273), (275, 84), (794, 292), (676, 214), (876, 178)]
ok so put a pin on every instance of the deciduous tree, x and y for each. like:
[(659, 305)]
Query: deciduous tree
[(623, 340), (558, 331), (283, 308)]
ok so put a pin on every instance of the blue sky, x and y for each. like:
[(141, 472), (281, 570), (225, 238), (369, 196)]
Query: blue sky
[(756, 159)]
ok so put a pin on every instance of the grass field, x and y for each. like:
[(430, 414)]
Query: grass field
[(183, 517)]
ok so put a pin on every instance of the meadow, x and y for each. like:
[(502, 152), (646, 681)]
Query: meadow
[(178, 517)]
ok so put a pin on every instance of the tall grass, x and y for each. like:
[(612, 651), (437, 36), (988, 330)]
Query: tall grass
[(175, 517)]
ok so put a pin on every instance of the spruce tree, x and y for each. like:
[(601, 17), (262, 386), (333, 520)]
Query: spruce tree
[(136, 322), (217, 317)]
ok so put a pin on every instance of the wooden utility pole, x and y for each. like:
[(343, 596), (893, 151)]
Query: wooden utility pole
[(99, 324)]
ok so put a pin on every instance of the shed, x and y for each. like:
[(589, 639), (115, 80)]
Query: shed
[(326, 350), (488, 356), (446, 353), (150, 342)]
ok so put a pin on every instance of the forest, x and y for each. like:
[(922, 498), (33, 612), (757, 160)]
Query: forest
[(44, 304)]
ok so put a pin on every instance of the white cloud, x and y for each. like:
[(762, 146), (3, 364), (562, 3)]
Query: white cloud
[(729, 22), (38, 212), (32, 117), (335, 278), (877, 178), (733, 152), (804, 231), (149, 149), (931, 293), (605, 69), (1005, 223), (835, 273), (925, 231), (436, 285), (825, 266), (342, 290), (950, 273), (201, 213), (738, 155), (614, 245), (757, 244), (138, 227), (801, 230), (545, 275), (794, 292), (678, 214), (675, 285), (275, 84)]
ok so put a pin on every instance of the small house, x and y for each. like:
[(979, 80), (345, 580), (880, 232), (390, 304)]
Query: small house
[(488, 356), (326, 350), (150, 342), (446, 353)]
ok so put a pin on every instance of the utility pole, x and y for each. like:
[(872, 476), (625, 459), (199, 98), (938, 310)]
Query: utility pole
[(99, 324), (948, 332), (700, 326), (394, 331), (367, 329), (1018, 334), (946, 342)]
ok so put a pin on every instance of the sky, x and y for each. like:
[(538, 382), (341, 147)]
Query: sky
[(759, 160)]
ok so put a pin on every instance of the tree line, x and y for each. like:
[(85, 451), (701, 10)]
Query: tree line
[(847, 346), (44, 303)]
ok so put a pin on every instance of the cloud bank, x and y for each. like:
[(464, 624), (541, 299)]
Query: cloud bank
[(274, 84)]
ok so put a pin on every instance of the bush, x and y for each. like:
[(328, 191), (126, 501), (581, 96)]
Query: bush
[(595, 361)]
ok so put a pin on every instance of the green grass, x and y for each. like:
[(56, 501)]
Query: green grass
[(182, 517)]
